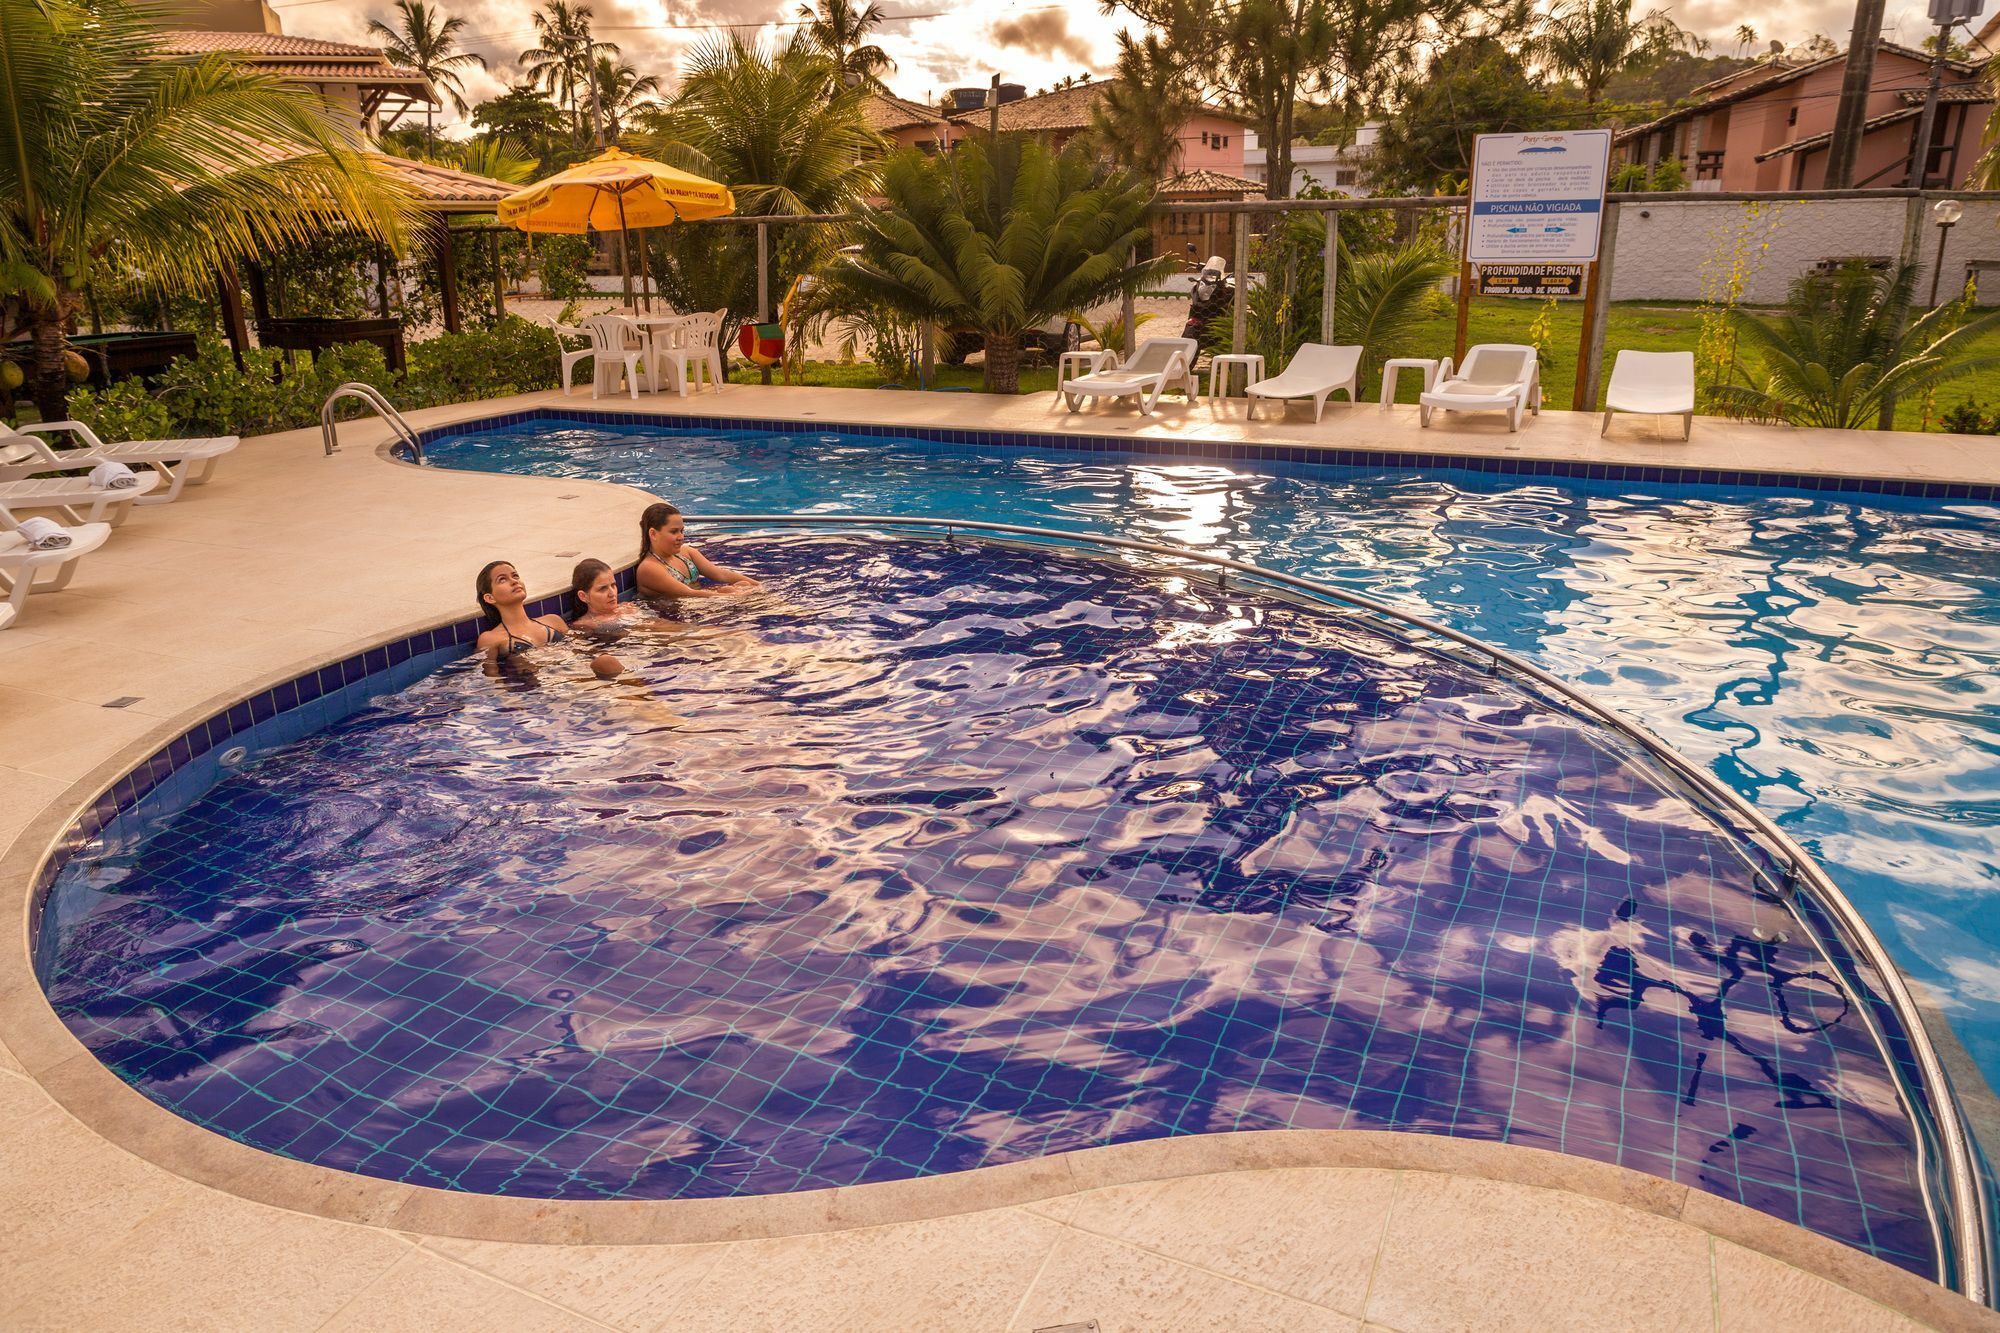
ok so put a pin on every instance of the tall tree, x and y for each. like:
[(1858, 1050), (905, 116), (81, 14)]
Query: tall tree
[(527, 117), (1141, 113), (621, 91), (842, 32), (1480, 86), (111, 152), (1593, 40), (999, 239), (426, 41), (1263, 56), (562, 60)]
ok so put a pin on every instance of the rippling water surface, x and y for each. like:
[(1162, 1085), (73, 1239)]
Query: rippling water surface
[(935, 857), (1834, 659)]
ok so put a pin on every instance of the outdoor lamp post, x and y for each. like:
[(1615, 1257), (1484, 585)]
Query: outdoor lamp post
[(1946, 213)]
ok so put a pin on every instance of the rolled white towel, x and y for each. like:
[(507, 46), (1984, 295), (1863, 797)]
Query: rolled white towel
[(44, 535), (113, 475)]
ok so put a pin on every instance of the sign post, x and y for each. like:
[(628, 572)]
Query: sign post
[(1538, 199)]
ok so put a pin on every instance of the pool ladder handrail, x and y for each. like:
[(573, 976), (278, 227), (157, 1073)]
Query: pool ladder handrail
[(369, 394), (1966, 1252)]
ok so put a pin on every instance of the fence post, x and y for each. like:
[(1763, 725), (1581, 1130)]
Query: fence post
[(1913, 240), (1332, 277), (1596, 315), (499, 280), (764, 284), (1239, 317), (1128, 311)]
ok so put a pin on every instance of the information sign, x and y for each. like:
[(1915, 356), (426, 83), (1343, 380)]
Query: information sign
[(1537, 198)]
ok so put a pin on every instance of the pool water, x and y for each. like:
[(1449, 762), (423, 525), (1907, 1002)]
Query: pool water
[(1834, 658), (938, 856)]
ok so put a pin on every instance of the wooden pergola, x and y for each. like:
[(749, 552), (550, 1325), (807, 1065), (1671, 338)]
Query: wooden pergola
[(444, 193)]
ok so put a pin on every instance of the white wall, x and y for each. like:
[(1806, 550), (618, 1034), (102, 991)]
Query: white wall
[(1684, 251)]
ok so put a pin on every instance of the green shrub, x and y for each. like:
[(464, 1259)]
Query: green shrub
[(562, 263), (513, 356), (125, 411), (1968, 419), (208, 395)]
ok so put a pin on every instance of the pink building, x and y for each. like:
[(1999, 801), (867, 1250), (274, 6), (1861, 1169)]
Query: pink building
[(1211, 140), (907, 124), (1767, 127)]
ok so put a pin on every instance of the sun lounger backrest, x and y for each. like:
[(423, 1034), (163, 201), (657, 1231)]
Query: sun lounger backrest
[(1653, 370), (1496, 364), (1154, 354), (1322, 359)]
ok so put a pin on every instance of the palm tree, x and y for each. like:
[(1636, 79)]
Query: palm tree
[(112, 153), (427, 42), (562, 62), (621, 91), (1593, 40), (491, 156), (999, 240), (1845, 347), (1746, 39), (1141, 112), (841, 30)]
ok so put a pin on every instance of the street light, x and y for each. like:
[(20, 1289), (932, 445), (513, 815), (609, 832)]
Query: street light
[(1946, 213)]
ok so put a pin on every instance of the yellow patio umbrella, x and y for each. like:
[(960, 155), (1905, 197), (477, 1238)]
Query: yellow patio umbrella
[(616, 191)]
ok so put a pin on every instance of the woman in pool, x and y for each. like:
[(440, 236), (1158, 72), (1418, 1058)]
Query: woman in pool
[(593, 597), (503, 601), (669, 567)]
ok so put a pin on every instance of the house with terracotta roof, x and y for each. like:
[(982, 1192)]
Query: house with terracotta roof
[(905, 123), (1212, 138), (1767, 127)]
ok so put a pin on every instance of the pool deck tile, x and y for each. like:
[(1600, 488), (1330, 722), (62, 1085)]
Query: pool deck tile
[(289, 560)]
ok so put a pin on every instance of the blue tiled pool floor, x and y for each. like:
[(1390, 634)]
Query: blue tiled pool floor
[(939, 857)]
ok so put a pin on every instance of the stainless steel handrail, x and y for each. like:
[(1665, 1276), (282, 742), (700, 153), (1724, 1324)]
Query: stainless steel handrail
[(1965, 1249), (367, 393)]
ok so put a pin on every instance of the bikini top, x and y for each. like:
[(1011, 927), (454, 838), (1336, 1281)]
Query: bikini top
[(516, 644)]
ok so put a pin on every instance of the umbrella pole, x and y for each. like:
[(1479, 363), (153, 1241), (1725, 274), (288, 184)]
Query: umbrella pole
[(624, 251), (645, 277)]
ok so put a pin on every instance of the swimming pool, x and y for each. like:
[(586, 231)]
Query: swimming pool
[(1835, 658), (951, 855)]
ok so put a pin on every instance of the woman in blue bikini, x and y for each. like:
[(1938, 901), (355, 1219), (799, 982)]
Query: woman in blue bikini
[(669, 567)]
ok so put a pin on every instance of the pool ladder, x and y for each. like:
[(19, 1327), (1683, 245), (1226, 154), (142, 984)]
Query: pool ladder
[(329, 432)]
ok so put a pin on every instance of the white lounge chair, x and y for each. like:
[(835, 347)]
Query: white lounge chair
[(1496, 377), (76, 499), (178, 462), (1159, 364), (1316, 370), (615, 344), (1659, 384), (23, 569)]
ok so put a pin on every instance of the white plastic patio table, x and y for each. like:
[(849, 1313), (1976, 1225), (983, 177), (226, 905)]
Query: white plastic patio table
[(1391, 372), (1218, 372), (1087, 361)]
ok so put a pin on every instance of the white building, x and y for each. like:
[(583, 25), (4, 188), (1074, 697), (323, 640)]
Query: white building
[(1335, 170)]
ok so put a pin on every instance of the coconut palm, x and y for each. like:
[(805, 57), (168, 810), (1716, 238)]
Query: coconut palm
[(621, 91), (491, 156), (427, 42), (1593, 40), (841, 31), (562, 60), (1846, 346), (113, 153), (999, 240), (1380, 302)]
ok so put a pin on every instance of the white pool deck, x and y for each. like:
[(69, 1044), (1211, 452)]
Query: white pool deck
[(114, 1214)]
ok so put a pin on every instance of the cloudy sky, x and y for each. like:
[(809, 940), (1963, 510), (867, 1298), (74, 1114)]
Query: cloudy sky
[(941, 44)]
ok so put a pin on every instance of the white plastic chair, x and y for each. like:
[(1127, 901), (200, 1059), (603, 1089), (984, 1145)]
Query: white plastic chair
[(569, 356), (614, 344), (1158, 365), (1496, 377), (691, 349), (1659, 384), (24, 569), (177, 462), (1317, 370)]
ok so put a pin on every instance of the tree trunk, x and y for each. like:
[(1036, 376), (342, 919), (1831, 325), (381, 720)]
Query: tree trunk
[(1003, 363), (49, 378)]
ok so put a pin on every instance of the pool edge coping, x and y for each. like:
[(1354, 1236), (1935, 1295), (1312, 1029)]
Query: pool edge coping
[(54, 1060)]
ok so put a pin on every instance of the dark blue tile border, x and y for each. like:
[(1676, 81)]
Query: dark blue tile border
[(1078, 441)]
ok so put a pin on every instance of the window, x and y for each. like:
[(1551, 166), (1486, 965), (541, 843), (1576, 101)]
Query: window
[(1793, 119), (1344, 175), (1204, 138), (1225, 141)]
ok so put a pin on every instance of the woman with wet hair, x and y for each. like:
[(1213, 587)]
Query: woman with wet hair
[(503, 603), (669, 567)]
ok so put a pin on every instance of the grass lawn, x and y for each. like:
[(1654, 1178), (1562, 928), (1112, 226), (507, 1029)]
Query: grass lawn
[(1645, 326)]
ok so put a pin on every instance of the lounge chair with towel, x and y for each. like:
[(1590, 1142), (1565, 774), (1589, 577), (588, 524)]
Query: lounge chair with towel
[(1159, 364), (106, 495), (1495, 377), (37, 555), (179, 462), (1659, 384), (1316, 370)]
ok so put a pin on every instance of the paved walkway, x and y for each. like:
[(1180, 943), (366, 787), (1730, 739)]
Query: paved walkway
[(289, 559)]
